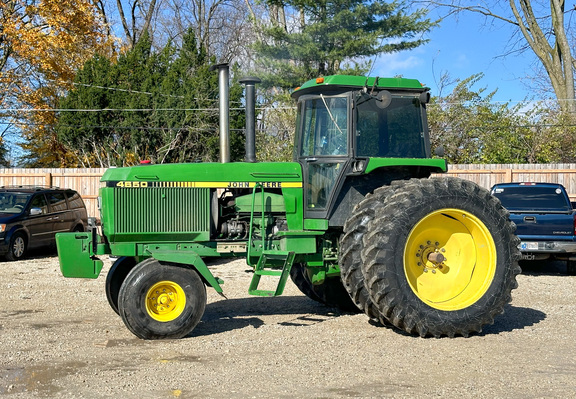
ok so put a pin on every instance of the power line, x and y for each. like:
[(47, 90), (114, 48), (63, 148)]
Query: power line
[(131, 109), (137, 91)]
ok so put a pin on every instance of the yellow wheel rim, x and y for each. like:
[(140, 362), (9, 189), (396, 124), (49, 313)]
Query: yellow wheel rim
[(450, 259), (165, 301)]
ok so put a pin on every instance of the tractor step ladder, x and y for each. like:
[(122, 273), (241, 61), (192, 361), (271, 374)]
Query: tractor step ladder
[(272, 263)]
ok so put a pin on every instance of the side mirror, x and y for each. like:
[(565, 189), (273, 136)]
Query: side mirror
[(425, 97), (35, 211), (384, 98), (439, 151)]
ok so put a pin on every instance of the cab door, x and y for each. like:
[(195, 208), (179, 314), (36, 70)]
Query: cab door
[(323, 150)]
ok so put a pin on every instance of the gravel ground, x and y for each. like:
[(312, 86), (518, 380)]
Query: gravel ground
[(60, 338)]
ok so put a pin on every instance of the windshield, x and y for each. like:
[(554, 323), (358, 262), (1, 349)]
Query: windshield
[(532, 198), (390, 130), (13, 202), (325, 126)]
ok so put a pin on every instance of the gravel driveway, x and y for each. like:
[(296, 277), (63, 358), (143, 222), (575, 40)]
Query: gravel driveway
[(59, 338)]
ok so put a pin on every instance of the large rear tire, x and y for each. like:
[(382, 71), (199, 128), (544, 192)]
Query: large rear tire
[(351, 246), (331, 292), (440, 258), (161, 301), (300, 279)]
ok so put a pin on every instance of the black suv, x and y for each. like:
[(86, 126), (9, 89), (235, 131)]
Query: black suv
[(31, 216)]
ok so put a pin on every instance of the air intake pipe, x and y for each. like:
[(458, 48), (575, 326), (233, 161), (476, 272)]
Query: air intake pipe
[(224, 92), (250, 83)]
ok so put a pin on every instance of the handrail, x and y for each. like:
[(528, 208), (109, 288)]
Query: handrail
[(251, 229)]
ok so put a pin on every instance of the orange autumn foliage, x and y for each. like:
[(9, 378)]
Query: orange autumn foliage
[(43, 44)]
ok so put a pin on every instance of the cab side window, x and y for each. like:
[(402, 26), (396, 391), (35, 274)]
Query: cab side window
[(39, 201), (57, 202)]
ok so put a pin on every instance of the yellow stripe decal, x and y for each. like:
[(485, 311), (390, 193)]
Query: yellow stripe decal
[(207, 184)]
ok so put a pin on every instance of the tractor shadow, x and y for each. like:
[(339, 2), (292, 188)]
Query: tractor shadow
[(514, 318), (235, 314)]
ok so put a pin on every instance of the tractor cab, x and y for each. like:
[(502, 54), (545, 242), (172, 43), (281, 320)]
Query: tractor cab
[(345, 121)]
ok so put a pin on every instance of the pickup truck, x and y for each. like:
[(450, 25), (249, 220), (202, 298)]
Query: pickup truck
[(545, 220)]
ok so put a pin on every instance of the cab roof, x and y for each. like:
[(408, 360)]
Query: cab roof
[(357, 82)]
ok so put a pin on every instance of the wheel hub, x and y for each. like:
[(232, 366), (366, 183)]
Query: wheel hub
[(431, 256), (449, 259), (165, 301)]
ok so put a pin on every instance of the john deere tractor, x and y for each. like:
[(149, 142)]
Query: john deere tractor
[(355, 221)]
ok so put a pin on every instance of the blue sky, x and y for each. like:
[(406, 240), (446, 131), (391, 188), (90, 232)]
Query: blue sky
[(464, 46)]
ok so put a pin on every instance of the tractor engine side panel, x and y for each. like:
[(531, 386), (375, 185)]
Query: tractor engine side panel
[(156, 213)]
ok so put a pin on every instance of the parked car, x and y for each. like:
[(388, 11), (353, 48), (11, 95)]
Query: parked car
[(544, 218), (30, 217)]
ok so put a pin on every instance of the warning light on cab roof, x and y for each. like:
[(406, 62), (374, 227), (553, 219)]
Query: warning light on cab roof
[(319, 80)]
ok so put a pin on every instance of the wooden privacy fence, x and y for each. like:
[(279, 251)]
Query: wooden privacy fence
[(87, 181), (488, 175)]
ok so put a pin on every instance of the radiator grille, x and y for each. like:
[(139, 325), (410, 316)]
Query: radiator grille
[(159, 210)]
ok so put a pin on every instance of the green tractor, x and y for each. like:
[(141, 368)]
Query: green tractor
[(355, 221)]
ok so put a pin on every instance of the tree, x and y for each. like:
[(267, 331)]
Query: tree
[(544, 31), (139, 20), (310, 38), (473, 129), (151, 105), (42, 44)]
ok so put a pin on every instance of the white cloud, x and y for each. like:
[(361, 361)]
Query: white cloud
[(400, 63)]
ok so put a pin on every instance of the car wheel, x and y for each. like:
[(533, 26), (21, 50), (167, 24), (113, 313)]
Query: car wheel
[(17, 248)]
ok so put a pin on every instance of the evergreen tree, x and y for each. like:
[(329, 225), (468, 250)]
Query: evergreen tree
[(329, 37), (157, 106)]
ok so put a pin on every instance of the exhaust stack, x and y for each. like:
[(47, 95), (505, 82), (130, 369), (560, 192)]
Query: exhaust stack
[(250, 83), (224, 92)]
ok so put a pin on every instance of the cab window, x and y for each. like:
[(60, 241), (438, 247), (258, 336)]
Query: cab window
[(39, 201), (57, 202), (325, 126), (393, 131)]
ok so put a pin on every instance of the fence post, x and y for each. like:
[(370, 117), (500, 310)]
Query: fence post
[(508, 176)]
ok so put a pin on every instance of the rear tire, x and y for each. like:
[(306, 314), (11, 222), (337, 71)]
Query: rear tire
[(331, 292), (300, 279), (351, 246), (161, 301), (452, 219)]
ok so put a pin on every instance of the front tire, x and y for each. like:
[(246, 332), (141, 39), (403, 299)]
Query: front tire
[(441, 258), (17, 248), (115, 278), (161, 301)]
